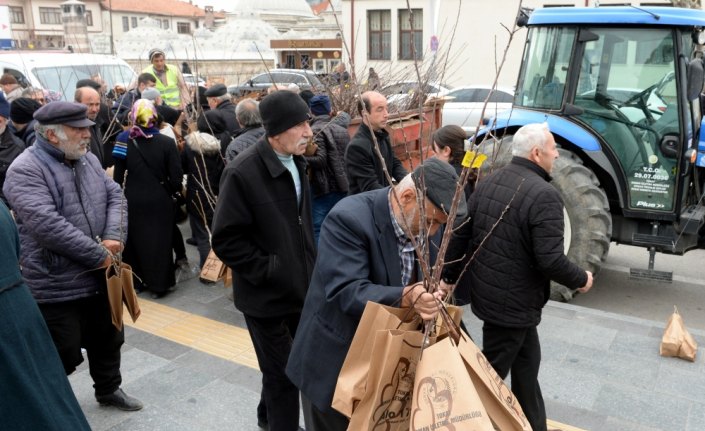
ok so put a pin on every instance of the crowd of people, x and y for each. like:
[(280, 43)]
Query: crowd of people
[(312, 222)]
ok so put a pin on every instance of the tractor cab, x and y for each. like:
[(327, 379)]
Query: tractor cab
[(620, 89)]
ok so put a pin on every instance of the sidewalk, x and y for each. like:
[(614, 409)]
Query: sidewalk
[(190, 361)]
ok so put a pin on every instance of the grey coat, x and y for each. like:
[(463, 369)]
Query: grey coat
[(63, 211)]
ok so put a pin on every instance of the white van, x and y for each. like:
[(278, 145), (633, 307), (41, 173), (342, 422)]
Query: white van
[(59, 71)]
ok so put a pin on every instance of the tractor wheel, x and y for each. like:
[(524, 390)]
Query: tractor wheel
[(588, 223)]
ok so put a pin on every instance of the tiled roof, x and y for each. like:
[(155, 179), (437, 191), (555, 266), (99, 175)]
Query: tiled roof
[(162, 7)]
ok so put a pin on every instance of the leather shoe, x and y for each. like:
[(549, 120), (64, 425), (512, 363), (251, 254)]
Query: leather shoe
[(120, 400)]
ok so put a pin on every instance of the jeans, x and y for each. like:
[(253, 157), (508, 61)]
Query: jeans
[(321, 207)]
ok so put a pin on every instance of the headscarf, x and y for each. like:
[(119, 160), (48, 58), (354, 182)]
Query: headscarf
[(144, 119)]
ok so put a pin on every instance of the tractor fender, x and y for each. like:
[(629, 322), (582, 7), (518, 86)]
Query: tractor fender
[(564, 130)]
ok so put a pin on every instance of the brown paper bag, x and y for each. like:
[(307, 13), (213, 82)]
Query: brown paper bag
[(499, 401), (386, 403), (676, 340), (353, 375), (444, 395), (228, 279), (213, 269), (121, 291)]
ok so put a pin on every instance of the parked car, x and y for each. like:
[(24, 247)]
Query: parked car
[(400, 94), (304, 79), (192, 80), (464, 105), (58, 72)]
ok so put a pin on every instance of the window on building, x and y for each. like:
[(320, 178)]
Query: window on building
[(50, 15), (305, 61), (410, 34), (89, 18), (379, 34), (183, 27), (165, 24), (16, 15), (125, 23), (133, 21)]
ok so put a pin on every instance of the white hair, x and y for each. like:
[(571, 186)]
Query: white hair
[(58, 129), (529, 137)]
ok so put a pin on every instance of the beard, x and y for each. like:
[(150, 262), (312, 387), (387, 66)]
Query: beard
[(74, 151), (407, 222)]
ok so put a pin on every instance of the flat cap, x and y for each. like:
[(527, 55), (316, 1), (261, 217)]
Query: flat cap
[(216, 91), (69, 113), (439, 180)]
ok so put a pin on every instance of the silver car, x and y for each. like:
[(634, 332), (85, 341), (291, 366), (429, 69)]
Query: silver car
[(465, 104)]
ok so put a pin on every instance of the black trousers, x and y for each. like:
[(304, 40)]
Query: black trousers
[(272, 338), (86, 323), (518, 350), (317, 420)]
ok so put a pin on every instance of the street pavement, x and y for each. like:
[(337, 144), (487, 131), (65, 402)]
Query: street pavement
[(600, 370)]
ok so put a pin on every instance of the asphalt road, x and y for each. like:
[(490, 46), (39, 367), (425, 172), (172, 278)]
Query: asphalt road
[(616, 292)]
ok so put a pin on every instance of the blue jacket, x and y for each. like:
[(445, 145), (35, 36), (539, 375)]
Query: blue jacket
[(63, 210), (358, 261)]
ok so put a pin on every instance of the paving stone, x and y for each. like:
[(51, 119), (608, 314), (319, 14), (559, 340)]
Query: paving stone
[(158, 419), (573, 331), (641, 346), (577, 417), (696, 416), (168, 384), (679, 382), (615, 424), (615, 368), (570, 386), (153, 344), (206, 364), (641, 407)]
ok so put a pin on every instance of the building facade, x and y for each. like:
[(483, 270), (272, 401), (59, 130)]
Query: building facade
[(456, 42)]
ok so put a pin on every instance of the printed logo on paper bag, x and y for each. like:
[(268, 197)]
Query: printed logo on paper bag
[(433, 408), (395, 402), (500, 388)]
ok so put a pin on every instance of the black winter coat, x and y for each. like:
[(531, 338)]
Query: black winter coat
[(363, 167), (10, 147), (328, 163), (203, 166), (263, 233), (510, 276), (246, 138)]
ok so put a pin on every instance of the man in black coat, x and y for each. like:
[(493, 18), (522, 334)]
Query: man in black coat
[(362, 165), (364, 241), (220, 120), (511, 273), (262, 229)]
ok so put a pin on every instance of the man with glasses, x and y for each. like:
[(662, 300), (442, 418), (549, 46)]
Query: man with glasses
[(263, 230)]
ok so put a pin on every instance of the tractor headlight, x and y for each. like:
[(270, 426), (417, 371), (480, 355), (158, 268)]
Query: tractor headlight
[(699, 37)]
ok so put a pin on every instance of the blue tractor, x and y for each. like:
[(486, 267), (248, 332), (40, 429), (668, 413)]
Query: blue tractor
[(620, 88)]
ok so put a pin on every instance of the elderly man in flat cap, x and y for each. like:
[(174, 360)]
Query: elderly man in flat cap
[(263, 230), (365, 254), (72, 221), (220, 120)]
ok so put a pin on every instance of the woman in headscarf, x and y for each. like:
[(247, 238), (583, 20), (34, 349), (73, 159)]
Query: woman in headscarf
[(147, 165)]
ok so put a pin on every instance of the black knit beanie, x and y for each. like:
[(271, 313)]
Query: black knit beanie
[(22, 109), (281, 111)]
